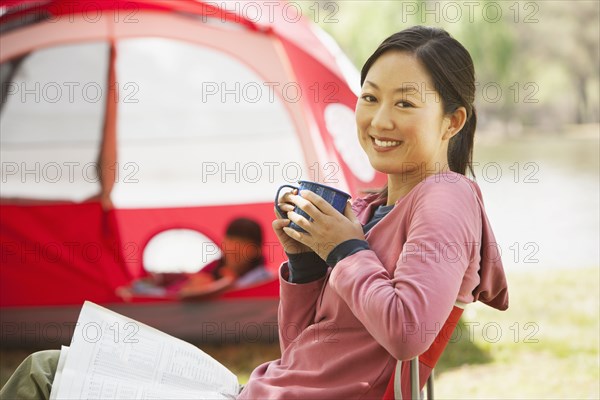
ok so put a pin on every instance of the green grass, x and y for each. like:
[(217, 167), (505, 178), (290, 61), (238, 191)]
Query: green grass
[(546, 346)]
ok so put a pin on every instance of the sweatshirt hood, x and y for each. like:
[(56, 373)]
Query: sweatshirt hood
[(493, 288)]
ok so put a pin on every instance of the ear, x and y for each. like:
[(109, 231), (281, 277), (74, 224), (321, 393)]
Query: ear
[(454, 122)]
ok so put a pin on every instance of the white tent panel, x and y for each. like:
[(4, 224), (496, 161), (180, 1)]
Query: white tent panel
[(201, 128), (51, 122)]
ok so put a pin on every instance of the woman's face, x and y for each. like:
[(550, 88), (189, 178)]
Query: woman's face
[(400, 119)]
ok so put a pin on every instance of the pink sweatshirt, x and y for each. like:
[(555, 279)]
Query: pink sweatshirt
[(340, 336)]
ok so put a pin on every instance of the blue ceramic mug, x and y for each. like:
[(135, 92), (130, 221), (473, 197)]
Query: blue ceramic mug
[(333, 196)]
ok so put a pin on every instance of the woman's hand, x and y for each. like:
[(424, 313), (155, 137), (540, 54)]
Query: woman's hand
[(290, 246), (328, 228)]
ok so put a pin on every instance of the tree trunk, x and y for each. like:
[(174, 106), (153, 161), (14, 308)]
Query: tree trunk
[(582, 100)]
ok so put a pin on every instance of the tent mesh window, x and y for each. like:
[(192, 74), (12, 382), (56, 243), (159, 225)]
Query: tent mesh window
[(51, 122)]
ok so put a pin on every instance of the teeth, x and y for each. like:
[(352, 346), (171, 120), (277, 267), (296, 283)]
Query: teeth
[(386, 143)]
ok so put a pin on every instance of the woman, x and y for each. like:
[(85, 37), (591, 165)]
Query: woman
[(372, 286), (402, 258)]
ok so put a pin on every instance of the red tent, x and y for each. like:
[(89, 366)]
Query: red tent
[(122, 119)]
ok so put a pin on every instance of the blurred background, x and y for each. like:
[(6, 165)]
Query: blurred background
[(537, 160)]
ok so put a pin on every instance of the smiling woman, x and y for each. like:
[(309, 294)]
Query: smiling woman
[(377, 282)]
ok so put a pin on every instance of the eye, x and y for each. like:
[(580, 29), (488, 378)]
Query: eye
[(404, 104), (368, 98)]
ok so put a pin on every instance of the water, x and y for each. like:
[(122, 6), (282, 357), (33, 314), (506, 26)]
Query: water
[(542, 198)]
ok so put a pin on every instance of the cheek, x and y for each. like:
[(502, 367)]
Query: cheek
[(421, 129), (413, 131), (362, 124), (362, 114)]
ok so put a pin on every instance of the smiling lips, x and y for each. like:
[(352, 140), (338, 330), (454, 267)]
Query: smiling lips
[(385, 144)]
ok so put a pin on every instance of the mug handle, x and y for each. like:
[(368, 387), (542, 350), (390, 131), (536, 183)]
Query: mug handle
[(279, 210)]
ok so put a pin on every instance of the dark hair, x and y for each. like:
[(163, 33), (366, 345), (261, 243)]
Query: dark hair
[(450, 67), (245, 228), (248, 229)]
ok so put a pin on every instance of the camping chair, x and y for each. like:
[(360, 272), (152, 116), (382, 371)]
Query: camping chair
[(407, 381)]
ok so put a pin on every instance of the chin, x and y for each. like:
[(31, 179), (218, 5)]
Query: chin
[(395, 168), (385, 168)]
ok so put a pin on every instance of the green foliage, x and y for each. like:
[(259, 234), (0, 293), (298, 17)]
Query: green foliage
[(542, 56)]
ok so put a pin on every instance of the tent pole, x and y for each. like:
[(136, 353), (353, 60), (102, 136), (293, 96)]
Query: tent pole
[(107, 159)]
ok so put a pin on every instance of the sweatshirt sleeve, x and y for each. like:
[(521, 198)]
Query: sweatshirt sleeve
[(297, 306), (405, 311)]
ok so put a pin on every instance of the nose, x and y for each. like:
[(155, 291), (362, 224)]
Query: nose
[(382, 119)]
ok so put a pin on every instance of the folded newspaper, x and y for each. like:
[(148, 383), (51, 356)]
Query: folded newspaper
[(115, 357)]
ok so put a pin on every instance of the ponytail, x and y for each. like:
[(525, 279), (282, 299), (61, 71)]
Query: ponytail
[(460, 148)]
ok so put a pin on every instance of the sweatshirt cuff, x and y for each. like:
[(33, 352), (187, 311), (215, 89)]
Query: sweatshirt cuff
[(305, 267), (286, 285), (346, 249)]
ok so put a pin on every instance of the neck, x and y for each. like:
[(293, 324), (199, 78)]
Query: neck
[(399, 185)]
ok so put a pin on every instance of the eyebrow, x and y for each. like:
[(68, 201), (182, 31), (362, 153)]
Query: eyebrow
[(403, 89)]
